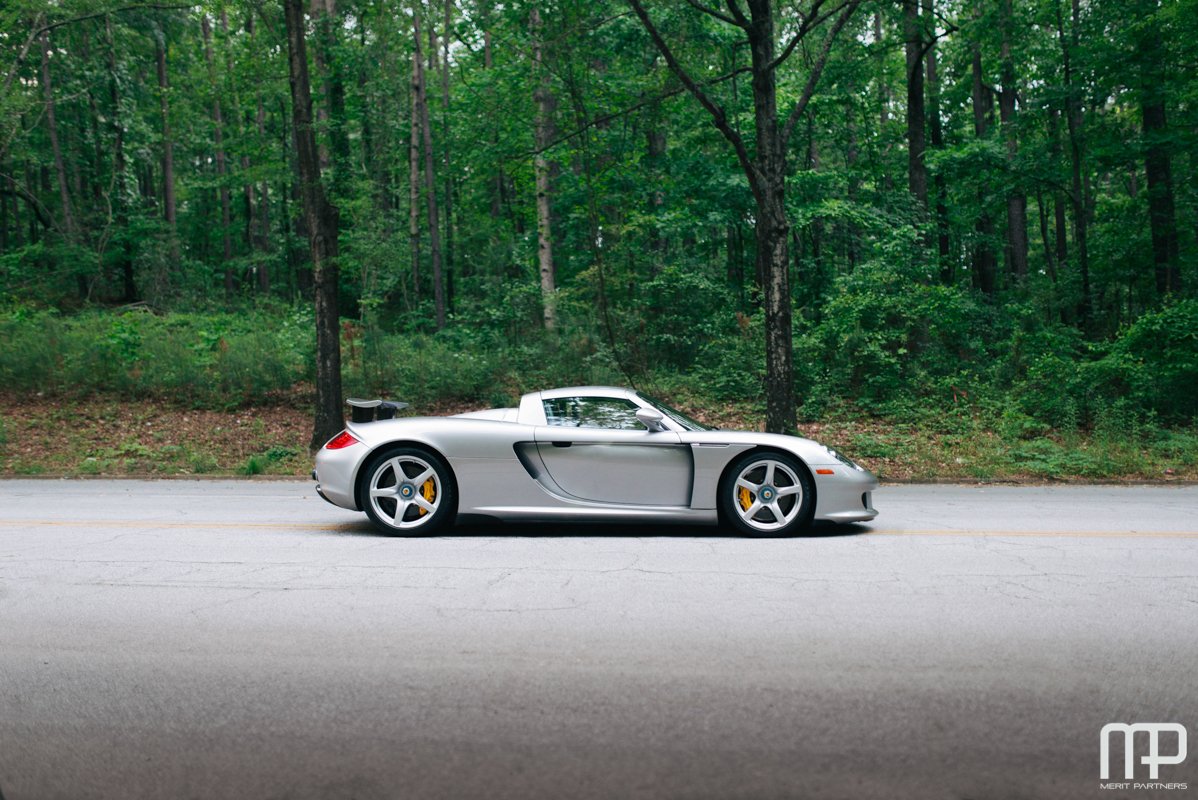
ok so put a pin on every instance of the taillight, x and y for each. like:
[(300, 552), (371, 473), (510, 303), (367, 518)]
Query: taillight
[(343, 439)]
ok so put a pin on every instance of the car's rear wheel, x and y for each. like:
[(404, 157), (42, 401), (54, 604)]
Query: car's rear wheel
[(407, 492), (767, 494)]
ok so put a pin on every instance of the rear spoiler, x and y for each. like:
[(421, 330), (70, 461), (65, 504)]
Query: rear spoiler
[(370, 410)]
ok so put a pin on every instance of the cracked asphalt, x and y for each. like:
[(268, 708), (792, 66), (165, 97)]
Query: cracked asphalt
[(222, 639)]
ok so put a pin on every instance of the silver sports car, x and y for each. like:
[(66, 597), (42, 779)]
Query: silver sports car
[(585, 453)]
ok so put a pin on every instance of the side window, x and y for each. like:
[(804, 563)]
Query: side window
[(592, 412)]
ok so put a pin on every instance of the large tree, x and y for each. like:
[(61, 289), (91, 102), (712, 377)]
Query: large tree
[(765, 166), (321, 222), (543, 137), (1150, 54)]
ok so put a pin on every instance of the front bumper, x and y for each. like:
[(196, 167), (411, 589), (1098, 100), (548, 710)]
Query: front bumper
[(846, 495)]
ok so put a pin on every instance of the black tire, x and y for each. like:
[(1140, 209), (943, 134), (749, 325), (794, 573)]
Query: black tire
[(774, 497), (379, 473)]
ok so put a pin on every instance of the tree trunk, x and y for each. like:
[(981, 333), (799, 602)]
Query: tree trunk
[(1049, 262), (543, 135), (374, 174), (257, 230), (168, 146), (883, 99), (320, 218), (1016, 198), (332, 112), (497, 179), (1158, 168), (125, 257), (766, 174), (445, 148), (264, 276), (851, 155), (64, 192), (773, 259), (9, 209), (1161, 215), (93, 131), (656, 151), (1059, 200), (1078, 192), (36, 217), (430, 179), (917, 173), (243, 126), (414, 176), (984, 261), (218, 124), (936, 132), (773, 225)]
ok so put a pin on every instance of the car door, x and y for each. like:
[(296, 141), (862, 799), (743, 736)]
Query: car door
[(594, 448)]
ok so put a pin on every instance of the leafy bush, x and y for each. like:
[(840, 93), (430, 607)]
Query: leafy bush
[(205, 359), (886, 335), (1149, 372), (732, 367), (1047, 458), (1154, 362), (887, 343)]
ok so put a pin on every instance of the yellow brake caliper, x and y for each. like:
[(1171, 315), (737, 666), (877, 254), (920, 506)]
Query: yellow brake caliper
[(745, 498), (428, 491)]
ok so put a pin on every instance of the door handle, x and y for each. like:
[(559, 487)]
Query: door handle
[(562, 444)]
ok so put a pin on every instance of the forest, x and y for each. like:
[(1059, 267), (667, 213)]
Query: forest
[(967, 215)]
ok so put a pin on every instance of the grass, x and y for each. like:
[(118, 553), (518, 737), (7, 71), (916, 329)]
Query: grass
[(101, 436)]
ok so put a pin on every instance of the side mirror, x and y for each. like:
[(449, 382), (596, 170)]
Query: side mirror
[(651, 418)]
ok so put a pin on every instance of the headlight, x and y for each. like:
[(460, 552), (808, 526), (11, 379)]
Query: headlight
[(848, 462)]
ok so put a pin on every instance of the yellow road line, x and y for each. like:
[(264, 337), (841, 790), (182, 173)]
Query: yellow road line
[(147, 524), (1069, 534)]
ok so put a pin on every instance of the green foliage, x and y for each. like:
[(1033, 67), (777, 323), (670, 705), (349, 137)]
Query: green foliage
[(1154, 362), (731, 367), (686, 307), (422, 368), (885, 336), (1049, 459), (254, 465), (1148, 372), (210, 360), (654, 243), (1045, 367), (280, 453), (201, 463)]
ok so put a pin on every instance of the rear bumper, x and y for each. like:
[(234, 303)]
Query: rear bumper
[(335, 473), (320, 491)]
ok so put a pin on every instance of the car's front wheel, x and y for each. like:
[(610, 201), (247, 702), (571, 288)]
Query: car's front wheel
[(407, 492), (767, 494)]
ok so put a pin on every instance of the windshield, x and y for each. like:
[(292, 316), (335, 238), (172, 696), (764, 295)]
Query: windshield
[(676, 415)]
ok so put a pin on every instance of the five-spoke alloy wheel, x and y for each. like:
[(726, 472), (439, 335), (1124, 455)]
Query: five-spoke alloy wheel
[(767, 494), (407, 491)]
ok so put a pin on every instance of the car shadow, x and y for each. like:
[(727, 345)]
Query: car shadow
[(606, 530)]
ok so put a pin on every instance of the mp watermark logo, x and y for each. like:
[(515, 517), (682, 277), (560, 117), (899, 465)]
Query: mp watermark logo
[(1154, 759)]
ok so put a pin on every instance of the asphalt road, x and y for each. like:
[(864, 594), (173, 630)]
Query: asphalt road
[(246, 640)]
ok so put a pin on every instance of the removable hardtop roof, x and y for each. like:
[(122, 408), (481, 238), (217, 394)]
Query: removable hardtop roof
[(532, 411)]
